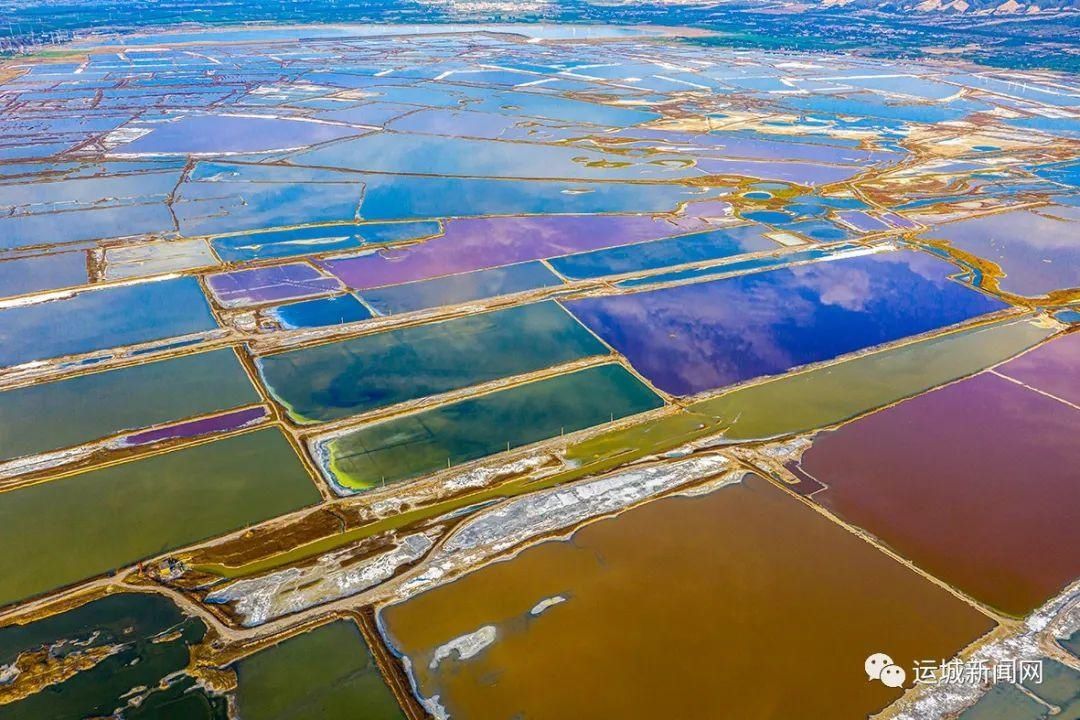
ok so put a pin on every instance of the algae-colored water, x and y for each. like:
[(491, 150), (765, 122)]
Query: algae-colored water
[(837, 392), (1059, 686), (975, 482), (326, 673), (72, 528), (353, 376), (743, 603), (1006, 702), (455, 433), (60, 414)]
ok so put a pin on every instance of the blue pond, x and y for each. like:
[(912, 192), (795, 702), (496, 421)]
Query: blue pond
[(820, 230), (454, 289), (1067, 173), (313, 240), (738, 266), (101, 319), (692, 338), (398, 197), (768, 216), (42, 272), (709, 245), (321, 312)]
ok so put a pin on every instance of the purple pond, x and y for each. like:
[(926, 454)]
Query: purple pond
[(211, 134), (261, 285), (203, 426), (477, 243)]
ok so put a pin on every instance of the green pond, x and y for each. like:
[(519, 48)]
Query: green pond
[(426, 441), (151, 639), (68, 529), (326, 673), (346, 378), (39, 418)]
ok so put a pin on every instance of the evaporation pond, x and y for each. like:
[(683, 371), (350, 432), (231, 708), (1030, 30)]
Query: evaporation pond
[(99, 319), (470, 429), (709, 245), (345, 378), (1052, 368), (208, 134), (269, 284), (118, 645), (987, 506), (313, 240), (691, 338), (37, 418), (1039, 254), (326, 673), (455, 289), (477, 243), (826, 395), (320, 312), (686, 607), (67, 529), (42, 272)]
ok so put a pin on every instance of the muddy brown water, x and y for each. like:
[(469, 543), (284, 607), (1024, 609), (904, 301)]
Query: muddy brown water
[(744, 603)]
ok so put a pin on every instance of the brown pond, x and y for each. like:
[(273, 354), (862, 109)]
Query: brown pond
[(744, 603)]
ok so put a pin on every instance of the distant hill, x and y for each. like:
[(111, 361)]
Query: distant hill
[(962, 7), (892, 7)]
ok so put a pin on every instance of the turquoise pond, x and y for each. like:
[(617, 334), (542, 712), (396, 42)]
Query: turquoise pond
[(340, 379)]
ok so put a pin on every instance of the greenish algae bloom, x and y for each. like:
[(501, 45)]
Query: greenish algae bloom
[(39, 418), (65, 530), (326, 673), (470, 429), (336, 380)]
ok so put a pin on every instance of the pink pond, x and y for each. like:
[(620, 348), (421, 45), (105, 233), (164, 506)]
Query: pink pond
[(974, 482)]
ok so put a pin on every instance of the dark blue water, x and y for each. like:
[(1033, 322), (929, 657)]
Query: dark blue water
[(142, 626), (692, 338)]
